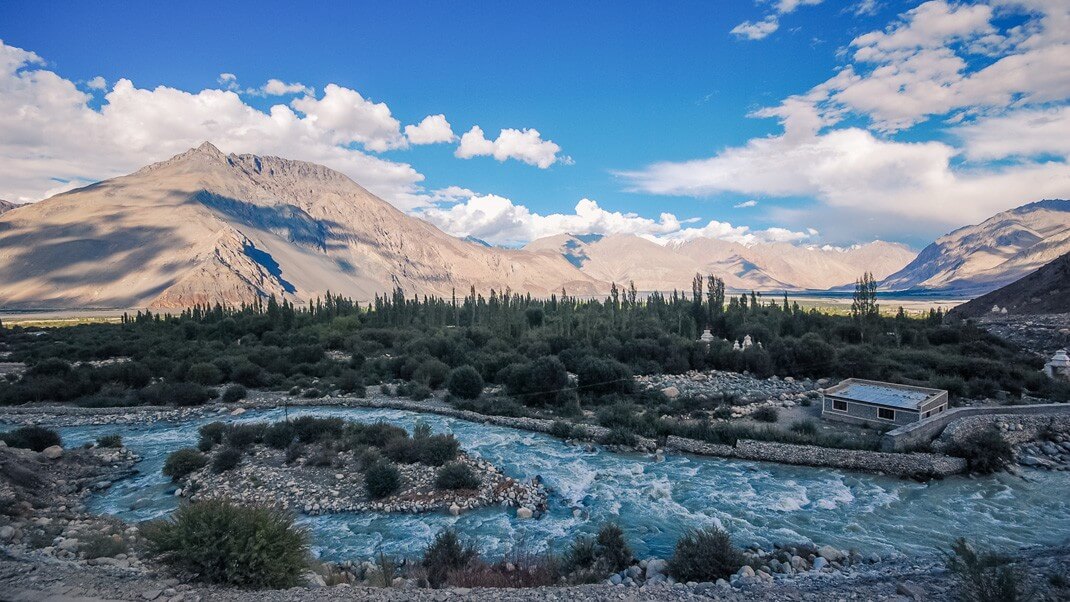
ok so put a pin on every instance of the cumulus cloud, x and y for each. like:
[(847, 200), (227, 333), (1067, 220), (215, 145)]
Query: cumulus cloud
[(1003, 90), (275, 87), (788, 6), (228, 81), (49, 133), (432, 130), (756, 30), (97, 83), (499, 220), (746, 204), (524, 145)]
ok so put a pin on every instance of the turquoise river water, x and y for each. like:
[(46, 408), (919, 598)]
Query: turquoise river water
[(654, 502)]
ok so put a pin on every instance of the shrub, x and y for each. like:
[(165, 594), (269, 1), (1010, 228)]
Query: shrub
[(102, 545), (446, 553), (561, 429), (983, 577), (226, 459), (244, 435), (382, 479), (279, 435), (432, 373), (600, 376), (211, 434), (310, 429), (179, 394), (294, 451), (766, 414), (323, 456), (419, 391), (204, 374), (112, 441), (182, 462), (804, 427), (403, 451), (312, 393), (436, 450), (223, 543), (612, 548), (234, 393), (985, 452), (619, 437), (34, 437), (705, 555), (456, 475), (465, 382), (375, 435)]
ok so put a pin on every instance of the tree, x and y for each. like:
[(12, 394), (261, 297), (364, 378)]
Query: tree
[(864, 304), (465, 382)]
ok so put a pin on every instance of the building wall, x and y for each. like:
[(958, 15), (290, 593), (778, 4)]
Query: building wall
[(921, 433), (860, 412)]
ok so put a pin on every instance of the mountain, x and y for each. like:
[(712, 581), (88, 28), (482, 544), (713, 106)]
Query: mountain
[(6, 206), (976, 259), (204, 227), (773, 266), (1045, 291)]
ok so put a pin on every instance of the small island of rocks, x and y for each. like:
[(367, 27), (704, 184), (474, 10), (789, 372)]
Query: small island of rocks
[(321, 465)]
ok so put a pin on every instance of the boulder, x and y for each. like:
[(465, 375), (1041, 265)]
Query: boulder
[(914, 592), (656, 566), (523, 512), (820, 563), (745, 571), (455, 509), (54, 452), (671, 392), (7, 532), (830, 553)]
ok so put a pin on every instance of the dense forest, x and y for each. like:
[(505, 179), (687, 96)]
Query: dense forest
[(528, 345)]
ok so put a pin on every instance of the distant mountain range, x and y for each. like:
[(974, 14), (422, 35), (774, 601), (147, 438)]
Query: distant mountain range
[(772, 266), (976, 259), (207, 227), (1045, 291), (6, 206)]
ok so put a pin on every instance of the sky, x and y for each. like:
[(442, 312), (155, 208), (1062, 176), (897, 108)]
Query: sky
[(807, 121)]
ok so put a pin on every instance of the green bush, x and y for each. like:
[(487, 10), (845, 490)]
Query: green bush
[(226, 459), (211, 435), (204, 374), (436, 450), (456, 475), (279, 435), (234, 393), (182, 462), (219, 542), (612, 547), (465, 382), (982, 576), (445, 554), (310, 429), (601, 376), (590, 559), (112, 441), (419, 391), (561, 429), (103, 545), (245, 434), (766, 414), (705, 555), (432, 373), (804, 427), (382, 479), (33, 437), (619, 437), (985, 452)]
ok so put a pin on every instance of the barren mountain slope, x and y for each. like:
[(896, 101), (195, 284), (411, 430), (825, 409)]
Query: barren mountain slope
[(778, 266), (977, 259), (1045, 291), (6, 206), (206, 227)]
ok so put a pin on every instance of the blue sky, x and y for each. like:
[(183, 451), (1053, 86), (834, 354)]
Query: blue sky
[(652, 105)]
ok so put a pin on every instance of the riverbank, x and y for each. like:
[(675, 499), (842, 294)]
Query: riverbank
[(908, 465)]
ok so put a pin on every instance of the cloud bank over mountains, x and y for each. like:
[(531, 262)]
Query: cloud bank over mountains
[(991, 79)]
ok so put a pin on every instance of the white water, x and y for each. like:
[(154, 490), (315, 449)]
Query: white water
[(654, 502)]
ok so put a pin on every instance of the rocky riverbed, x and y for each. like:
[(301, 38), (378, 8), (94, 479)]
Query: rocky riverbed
[(264, 475), (743, 392)]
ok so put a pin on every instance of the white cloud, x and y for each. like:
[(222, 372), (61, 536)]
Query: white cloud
[(432, 130), (756, 30), (1024, 133), (349, 117), (275, 87), (499, 220), (228, 80), (49, 133), (97, 83), (746, 204), (939, 57), (787, 6), (523, 145)]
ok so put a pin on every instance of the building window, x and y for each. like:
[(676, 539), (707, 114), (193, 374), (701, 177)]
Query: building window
[(839, 406), (885, 414), (927, 414)]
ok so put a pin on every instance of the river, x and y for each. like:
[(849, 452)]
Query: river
[(654, 502)]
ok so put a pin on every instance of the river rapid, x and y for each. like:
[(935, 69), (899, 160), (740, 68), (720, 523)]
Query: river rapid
[(654, 502)]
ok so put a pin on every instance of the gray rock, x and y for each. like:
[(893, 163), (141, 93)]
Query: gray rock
[(656, 566), (830, 553), (820, 563), (7, 532), (905, 588), (53, 452)]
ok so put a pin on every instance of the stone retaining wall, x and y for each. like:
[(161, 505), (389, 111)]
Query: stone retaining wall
[(905, 465), (922, 433)]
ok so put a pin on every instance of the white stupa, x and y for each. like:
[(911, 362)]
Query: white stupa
[(1058, 366)]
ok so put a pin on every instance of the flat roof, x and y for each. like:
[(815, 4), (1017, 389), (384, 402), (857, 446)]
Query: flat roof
[(893, 395)]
